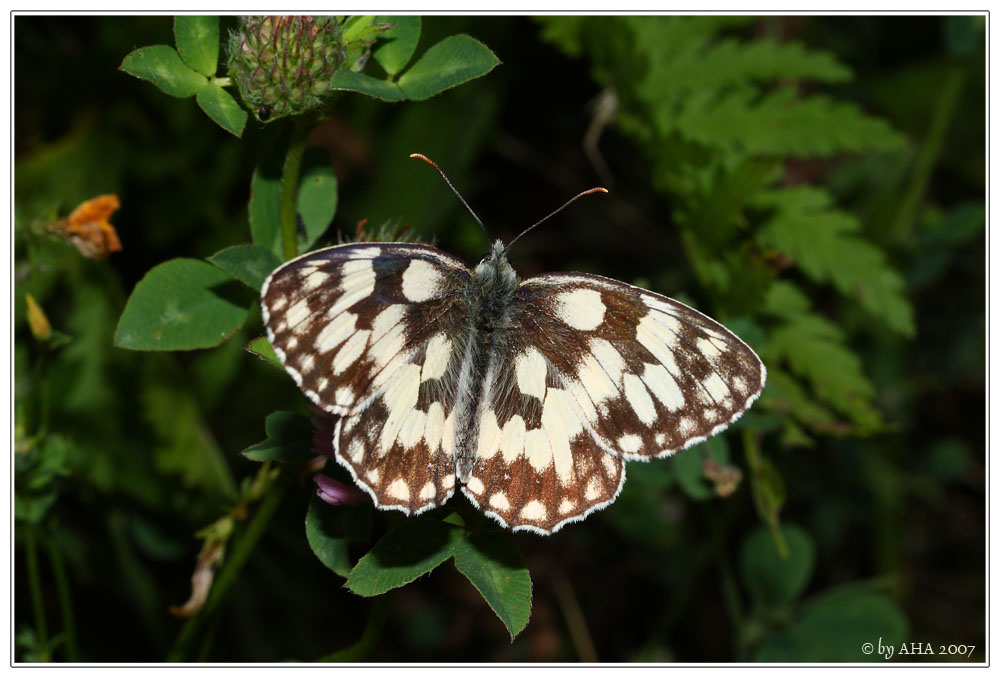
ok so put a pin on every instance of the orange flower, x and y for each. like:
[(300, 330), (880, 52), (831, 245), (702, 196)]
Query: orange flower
[(88, 228)]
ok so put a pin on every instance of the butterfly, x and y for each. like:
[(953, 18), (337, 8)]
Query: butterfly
[(529, 395)]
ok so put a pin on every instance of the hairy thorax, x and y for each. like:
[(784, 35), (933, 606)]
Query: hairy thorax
[(490, 294)]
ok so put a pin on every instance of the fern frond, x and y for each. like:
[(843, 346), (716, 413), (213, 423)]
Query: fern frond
[(824, 243), (720, 91), (814, 349), (784, 395), (682, 58), (717, 116), (778, 124)]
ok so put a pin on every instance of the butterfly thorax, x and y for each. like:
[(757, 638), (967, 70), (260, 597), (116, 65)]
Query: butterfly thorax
[(489, 297), (493, 287)]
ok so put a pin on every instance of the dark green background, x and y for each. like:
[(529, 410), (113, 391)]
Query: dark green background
[(902, 511)]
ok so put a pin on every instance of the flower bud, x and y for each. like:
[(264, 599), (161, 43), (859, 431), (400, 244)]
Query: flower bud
[(284, 65), (41, 329), (337, 493)]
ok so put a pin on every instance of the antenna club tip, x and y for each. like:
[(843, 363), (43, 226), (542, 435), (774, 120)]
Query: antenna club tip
[(602, 189), (421, 156)]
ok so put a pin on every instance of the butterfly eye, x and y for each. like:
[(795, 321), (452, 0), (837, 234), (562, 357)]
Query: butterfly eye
[(264, 112)]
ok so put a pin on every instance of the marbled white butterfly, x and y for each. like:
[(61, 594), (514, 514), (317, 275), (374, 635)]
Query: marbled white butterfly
[(529, 394)]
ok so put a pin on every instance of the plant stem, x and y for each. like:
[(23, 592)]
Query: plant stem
[(575, 621), (230, 571), (766, 509), (930, 151), (34, 581), (731, 599), (290, 187), (208, 639), (364, 646), (65, 600)]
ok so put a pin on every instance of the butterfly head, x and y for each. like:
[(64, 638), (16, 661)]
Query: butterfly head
[(495, 274)]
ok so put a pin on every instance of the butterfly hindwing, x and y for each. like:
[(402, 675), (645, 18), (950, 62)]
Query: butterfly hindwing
[(368, 332), (537, 466)]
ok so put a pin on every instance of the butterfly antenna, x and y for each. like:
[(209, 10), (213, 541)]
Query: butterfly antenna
[(596, 189), (452, 187)]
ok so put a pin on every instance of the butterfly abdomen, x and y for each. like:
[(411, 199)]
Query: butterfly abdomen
[(491, 292)]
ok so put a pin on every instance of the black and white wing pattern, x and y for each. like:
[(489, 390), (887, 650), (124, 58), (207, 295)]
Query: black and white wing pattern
[(529, 395), (595, 372), (367, 331)]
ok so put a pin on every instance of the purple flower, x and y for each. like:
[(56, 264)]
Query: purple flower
[(336, 493)]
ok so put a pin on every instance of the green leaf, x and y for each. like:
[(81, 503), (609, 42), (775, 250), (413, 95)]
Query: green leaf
[(197, 39), (36, 475), (835, 628), (262, 348), (784, 395), (289, 438), (359, 33), (454, 60), (715, 91), (265, 209), (825, 244), (33, 507), (566, 32), (221, 107), (181, 304), (948, 460), (185, 446), (939, 239), (317, 199), (786, 300), (400, 42), (776, 124), (331, 530), (814, 349), (162, 66), (356, 26), (495, 567), (689, 468), (250, 264), (768, 488), (689, 61), (407, 551), (346, 79), (769, 578), (679, 73)]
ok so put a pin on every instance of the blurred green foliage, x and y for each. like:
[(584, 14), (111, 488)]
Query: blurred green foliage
[(816, 183)]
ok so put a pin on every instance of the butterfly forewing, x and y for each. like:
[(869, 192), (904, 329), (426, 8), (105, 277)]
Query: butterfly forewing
[(368, 332), (649, 375)]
